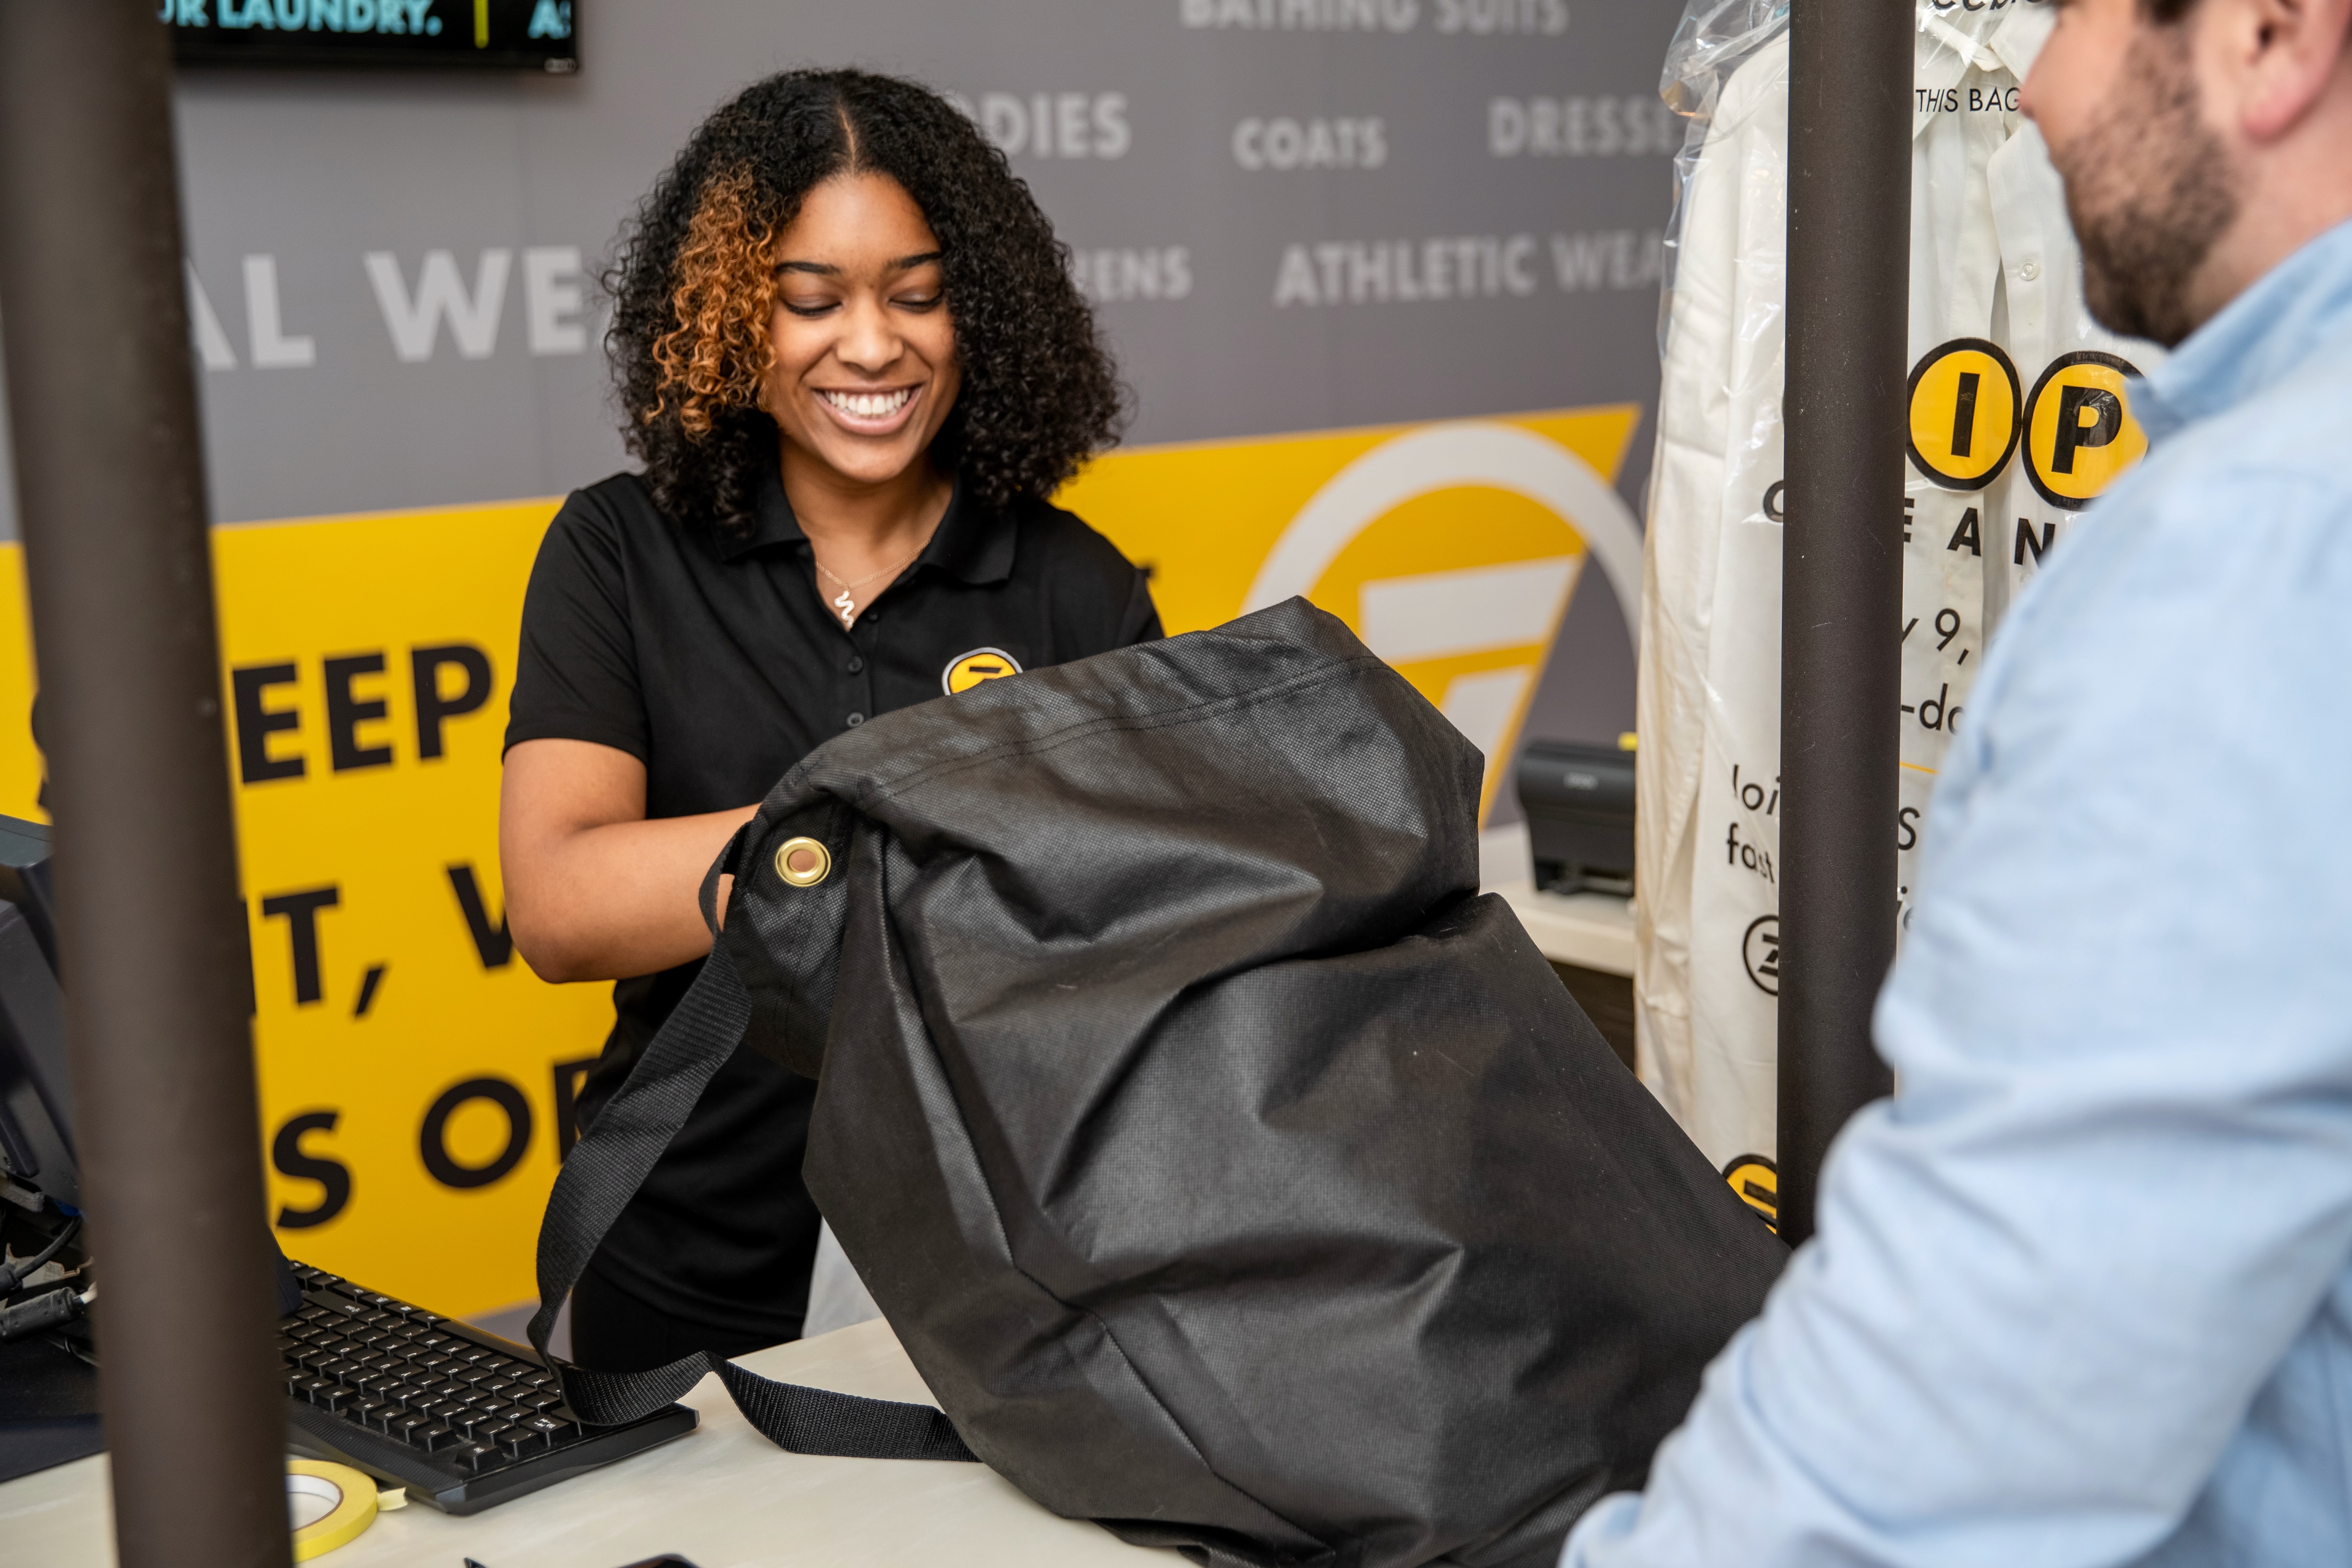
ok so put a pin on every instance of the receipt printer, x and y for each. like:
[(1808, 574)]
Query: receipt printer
[(1578, 802)]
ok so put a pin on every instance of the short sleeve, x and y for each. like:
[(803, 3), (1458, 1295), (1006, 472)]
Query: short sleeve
[(576, 674), (1141, 620)]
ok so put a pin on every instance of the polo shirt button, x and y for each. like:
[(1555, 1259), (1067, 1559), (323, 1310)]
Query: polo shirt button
[(856, 719), (855, 665)]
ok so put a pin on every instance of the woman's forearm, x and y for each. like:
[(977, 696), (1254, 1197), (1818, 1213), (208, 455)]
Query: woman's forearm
[(621, 899), (595, 890)]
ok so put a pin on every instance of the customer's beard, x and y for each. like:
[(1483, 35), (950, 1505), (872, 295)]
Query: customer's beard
[(2149, 194)]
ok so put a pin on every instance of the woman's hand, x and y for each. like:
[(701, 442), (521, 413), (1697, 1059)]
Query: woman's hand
[(593, 890)]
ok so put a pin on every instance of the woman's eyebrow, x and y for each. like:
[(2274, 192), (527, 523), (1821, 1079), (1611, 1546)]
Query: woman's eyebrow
[(826, 269)]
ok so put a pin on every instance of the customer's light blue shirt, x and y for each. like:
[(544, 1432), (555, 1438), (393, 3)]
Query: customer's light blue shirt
[(2082, 1293)]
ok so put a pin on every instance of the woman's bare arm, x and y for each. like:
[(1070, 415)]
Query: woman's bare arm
[(593, 890)]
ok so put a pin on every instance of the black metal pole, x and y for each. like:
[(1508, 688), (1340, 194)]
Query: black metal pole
[(1842, 573), (109, 477)]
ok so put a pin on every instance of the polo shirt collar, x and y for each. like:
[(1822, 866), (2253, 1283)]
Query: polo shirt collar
[(972, 544)]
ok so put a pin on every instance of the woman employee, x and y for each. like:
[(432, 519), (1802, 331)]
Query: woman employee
[(853, 365)]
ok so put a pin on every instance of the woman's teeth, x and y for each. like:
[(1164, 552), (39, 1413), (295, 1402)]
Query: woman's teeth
[(869, 405)]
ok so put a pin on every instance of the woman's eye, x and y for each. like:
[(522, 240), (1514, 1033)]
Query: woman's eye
[(919, 302), (808, 307)]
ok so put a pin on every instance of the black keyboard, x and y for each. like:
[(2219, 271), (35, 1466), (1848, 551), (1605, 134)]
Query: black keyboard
[(461, 1418)]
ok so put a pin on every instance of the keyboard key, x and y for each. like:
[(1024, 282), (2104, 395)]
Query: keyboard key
[(543, 1399), (446, 1409), (494, 1431), (433, 1436), (520, 1441), (549, 1426), (499, 1385), (305, 1385), (476, 1455), (371, 1411), (404, 1427)]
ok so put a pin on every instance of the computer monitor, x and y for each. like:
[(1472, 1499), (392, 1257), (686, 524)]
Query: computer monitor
[(35, 1089), (48, 1390), (49, 1402)]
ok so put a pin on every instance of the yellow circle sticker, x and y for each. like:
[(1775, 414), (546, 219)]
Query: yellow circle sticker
[(1758, 1182), (1964, 412), (2079, 430), (981, 664)]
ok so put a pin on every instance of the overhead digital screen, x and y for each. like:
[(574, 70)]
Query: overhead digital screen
[(389, 35)]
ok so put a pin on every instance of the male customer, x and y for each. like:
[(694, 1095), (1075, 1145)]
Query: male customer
[(2082, 1293)]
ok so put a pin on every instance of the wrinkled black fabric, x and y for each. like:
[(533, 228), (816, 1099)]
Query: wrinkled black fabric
[(1233, 1171)]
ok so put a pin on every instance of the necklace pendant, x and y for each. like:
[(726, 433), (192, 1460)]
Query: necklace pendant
[(848, 610)]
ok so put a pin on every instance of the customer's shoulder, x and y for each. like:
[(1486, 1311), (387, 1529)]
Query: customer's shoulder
[(2293, 438), (2230, 548)]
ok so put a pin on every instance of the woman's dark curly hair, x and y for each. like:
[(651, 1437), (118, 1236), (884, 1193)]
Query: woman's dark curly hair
[(694, 291)]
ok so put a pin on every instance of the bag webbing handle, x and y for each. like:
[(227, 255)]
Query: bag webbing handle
[(598, 1178)]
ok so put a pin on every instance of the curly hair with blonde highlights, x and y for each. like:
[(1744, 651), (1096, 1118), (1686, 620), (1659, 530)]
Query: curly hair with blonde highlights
[(693, 293)]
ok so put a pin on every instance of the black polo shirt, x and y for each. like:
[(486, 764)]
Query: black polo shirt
[(718, 664)]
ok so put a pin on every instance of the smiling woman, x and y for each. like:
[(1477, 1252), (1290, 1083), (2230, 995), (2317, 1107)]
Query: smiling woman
[(853, 364)]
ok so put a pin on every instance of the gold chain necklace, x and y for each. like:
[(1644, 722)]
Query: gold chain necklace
[(844, 604)]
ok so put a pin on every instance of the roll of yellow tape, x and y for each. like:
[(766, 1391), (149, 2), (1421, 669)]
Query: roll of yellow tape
[(348, 1495)]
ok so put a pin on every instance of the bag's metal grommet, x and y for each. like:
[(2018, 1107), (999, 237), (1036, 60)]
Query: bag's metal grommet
[(803, 862)]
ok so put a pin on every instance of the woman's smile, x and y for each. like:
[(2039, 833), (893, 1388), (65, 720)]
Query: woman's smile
[(869, 411)]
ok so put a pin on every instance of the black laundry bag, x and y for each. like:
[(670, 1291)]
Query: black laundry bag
[(1233, 1172)]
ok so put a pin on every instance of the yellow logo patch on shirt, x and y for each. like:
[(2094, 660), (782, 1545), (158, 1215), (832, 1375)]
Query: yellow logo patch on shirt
[(969, 669)]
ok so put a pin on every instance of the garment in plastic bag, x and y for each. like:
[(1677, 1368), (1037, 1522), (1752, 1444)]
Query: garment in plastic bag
[(2018, 417), (1233, 1171)]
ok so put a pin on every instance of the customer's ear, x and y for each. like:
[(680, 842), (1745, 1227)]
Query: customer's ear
[(2282, 60)]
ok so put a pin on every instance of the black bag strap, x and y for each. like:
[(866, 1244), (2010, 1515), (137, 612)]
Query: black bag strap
[(600, 1174)]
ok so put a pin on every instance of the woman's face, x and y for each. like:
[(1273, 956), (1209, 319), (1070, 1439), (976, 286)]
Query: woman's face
[(863, 369)]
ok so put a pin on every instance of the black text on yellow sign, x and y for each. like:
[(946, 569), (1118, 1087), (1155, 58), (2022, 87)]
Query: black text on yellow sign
[(1965, 399), (1967, 416), (2079, 432), (355, 704)]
